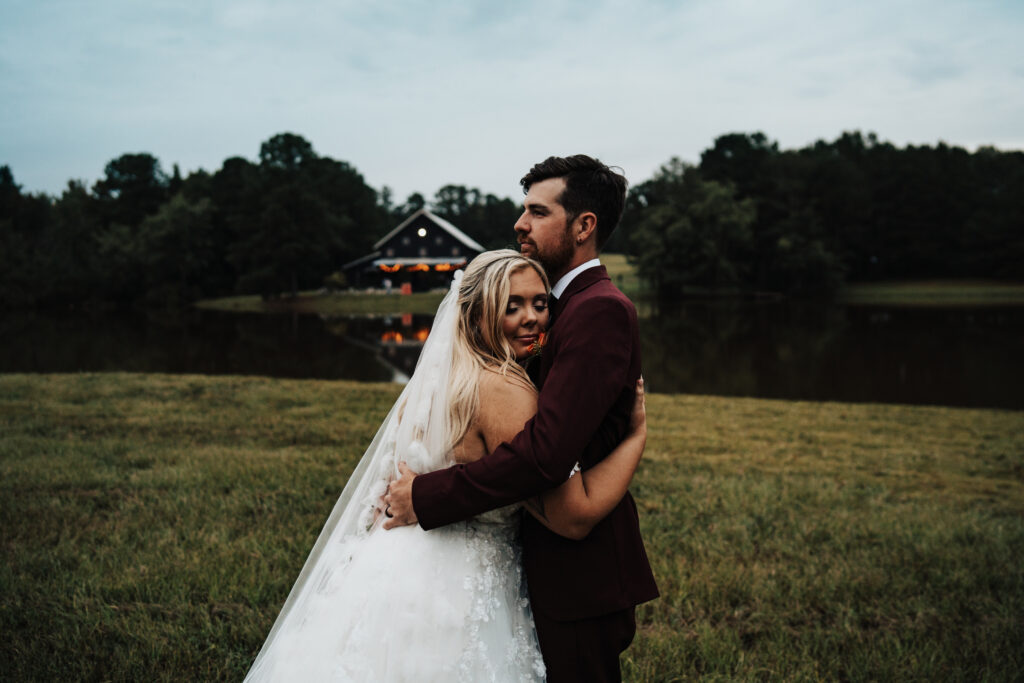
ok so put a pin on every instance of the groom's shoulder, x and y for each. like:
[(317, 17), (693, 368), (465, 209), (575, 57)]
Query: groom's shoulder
[(599, 309), (604, 293)]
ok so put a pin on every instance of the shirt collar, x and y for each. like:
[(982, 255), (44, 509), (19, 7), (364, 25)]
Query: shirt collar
[(566, 279)]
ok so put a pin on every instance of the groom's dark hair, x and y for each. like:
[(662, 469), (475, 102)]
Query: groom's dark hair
[(589, 186)]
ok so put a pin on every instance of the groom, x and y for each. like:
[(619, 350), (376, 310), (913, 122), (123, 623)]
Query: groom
[(583, 593)]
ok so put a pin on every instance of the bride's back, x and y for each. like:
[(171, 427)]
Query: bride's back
[(506, 403)]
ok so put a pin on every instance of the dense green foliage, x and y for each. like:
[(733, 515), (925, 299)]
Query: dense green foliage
[(139, 236), (694, 232), (485, 218), (153, 524), (749, 216), (854, 209)]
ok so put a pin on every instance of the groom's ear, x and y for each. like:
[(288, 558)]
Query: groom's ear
[(585, 227)]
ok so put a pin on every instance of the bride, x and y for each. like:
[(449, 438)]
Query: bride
[(450, 604)]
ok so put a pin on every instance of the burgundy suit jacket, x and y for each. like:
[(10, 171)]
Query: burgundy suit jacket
[(589, 366)]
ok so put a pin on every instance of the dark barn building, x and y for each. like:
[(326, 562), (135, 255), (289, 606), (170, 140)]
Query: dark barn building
[(423, 252)]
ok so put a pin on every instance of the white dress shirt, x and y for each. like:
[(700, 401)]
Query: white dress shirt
[(564, 281)]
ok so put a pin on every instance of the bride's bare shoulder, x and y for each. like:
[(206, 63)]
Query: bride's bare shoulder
[(507, 402), (495, 385)]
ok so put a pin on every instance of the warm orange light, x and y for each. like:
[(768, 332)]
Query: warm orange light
[(419, 268), (391, 336), (444, 267), (390, 269), (422, 334)]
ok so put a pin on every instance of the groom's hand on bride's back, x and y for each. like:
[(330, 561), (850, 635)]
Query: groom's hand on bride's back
[(399, 500)]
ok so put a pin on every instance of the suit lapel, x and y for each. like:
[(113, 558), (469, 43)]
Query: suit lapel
[(579, 283), (585, 279)]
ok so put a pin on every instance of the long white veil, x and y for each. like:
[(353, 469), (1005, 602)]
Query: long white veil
[(416, 431)]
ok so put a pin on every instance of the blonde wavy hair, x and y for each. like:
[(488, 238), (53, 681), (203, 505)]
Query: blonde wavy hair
[(480, 344)]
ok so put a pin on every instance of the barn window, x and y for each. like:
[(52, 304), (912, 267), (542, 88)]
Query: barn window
[(438, 240), (423, 251), (390, 252), (455, 251), (405, 240)]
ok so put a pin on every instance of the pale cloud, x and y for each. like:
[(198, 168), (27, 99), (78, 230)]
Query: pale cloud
[(417, 94)]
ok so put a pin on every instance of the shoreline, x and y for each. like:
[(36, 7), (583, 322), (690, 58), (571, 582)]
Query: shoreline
[(909, 294)]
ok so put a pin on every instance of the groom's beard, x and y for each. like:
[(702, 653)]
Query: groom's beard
[(556, 258)]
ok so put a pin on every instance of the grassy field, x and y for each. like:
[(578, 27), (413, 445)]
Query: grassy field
[(153, 524), (337, 303), (623, 274), (347, 303), (935, 293)]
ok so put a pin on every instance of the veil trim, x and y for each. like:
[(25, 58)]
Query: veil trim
[(417, 430)]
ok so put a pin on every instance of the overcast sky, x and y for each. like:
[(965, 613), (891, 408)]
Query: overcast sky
[(417, 94)]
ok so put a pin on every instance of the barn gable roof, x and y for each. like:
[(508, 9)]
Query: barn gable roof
[(441, 223)]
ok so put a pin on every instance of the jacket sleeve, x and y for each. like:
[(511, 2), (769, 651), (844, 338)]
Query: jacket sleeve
[(590, 361)]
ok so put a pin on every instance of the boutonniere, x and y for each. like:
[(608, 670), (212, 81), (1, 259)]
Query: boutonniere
[(537, 347)]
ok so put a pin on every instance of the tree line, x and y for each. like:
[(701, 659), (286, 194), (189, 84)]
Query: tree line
[(141, 236), (749, 216)]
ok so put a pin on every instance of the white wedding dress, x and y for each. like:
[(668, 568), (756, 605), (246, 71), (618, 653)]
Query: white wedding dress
[(412, 605), (407, 604)]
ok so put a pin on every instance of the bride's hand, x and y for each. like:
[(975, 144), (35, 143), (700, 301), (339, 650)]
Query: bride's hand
[(638, 418)]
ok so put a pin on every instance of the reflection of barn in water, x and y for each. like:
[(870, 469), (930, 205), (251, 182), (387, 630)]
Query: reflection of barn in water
[(395, 339), (420, 254)]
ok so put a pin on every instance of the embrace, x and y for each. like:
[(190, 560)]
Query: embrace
[(487, 534)]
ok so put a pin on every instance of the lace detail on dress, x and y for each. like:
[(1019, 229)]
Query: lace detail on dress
[(498, 593), (413, 605)]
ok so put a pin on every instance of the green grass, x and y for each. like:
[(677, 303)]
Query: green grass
[(342, 303), (153, 524), (934, 293), (339, 303), (623, 274)]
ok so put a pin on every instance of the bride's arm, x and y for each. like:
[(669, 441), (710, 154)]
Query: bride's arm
[(572, 509)]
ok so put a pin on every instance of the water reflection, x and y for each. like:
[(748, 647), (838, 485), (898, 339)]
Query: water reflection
[(395, 340), (966, 357), (204, 342)]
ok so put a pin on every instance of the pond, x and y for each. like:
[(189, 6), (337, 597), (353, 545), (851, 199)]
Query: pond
[(776, 349)]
